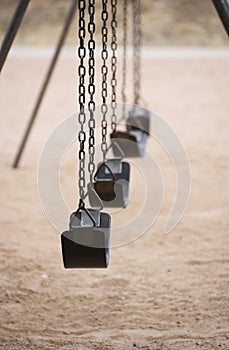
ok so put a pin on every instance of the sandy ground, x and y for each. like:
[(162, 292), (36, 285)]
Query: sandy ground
[(160, 292)]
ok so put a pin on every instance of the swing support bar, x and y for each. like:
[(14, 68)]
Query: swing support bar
[(12, 30), (44, 86), (222, 7)]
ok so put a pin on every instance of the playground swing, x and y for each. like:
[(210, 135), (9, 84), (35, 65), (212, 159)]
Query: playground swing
[(132, 141), (138, 117), (86, 243), (111, 183), (111, 180)]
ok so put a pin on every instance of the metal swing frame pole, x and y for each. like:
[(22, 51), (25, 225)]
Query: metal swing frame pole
[(222, 7), (12, 30), (44, 86)]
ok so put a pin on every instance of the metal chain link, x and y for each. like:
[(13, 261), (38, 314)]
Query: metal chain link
[(137, 38), (113, 64), (104, 71), (82, 115), (91, 87), (125, 8)]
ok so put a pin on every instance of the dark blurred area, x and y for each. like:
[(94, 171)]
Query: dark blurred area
[(165, 22)]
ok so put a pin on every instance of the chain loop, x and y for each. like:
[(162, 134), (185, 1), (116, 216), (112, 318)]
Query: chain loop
[(91, 87), (81, 115), (104, 71), (125, 8), (113, 64), (137, 38)]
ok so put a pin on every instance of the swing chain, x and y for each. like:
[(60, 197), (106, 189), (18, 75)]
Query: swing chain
[(125, 8), (82, 115), (104, 71), (137, 38), (113, 64), (91, 87)]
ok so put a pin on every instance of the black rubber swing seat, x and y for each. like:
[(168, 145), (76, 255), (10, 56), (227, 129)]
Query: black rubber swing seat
[(139, 119), (111, 183), (132, 143), (86, 244)]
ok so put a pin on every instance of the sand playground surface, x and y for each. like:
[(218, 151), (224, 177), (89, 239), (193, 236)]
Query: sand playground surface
[(160, 291)]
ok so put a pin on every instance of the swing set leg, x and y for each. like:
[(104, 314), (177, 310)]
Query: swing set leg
[(222, 7), (12, 30), (44, 86)]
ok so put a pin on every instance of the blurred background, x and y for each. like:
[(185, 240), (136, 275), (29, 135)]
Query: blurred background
[(166, 22)]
